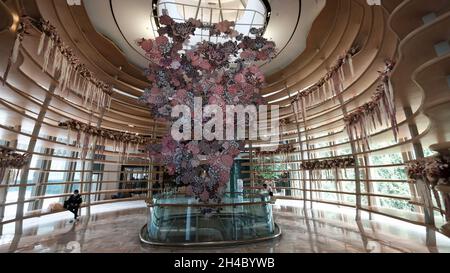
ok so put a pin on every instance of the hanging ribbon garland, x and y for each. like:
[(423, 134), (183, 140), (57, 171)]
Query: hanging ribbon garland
[(121, 141), (285, 149), (317, 166), (313, 165), (330, 85), (72, 74), (434, 171), (12, 59), (11, 160), (380, 111), (61, 63)]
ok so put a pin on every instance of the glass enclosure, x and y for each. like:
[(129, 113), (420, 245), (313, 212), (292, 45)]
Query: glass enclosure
[(180, 220)]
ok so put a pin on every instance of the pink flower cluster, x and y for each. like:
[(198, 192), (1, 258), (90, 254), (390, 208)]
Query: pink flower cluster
[(430, 168)]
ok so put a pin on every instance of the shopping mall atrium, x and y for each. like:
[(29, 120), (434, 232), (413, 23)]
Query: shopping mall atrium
[(225, 126)]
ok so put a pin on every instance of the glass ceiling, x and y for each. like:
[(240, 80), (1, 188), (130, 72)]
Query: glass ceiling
[(246, 13)]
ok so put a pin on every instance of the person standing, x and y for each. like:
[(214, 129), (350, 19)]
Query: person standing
[(73, 204)]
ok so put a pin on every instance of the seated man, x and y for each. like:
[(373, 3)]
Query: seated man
[(73, 204), (269, 191)]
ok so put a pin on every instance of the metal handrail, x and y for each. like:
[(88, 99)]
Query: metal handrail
[(199, 205), (250, 203)]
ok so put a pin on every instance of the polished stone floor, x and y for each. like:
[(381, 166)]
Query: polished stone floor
[(318, 230)]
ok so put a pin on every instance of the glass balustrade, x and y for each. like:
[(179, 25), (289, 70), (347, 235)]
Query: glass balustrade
[(181, 220)]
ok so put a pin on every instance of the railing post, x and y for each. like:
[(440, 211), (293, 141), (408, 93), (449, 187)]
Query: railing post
[(252, 175), (299, 135), (355, 156), (424, 192), (422, 188), (151, 168), (91, 162)]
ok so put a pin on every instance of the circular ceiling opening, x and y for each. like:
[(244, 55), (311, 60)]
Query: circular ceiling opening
[(246, 14)]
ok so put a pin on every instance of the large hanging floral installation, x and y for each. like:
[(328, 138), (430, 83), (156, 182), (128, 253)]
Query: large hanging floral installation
[(121, 141), (433, 171), (219, 73), (380, 111), (61, 63), (12, 160)]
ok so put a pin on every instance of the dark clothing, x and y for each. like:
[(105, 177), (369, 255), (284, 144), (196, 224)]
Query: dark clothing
[(73, 204), (156, 188), (74, 210)]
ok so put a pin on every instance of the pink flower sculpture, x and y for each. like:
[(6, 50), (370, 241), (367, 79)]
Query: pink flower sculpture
[(219, 73)]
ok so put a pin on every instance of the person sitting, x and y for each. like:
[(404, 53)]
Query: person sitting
[(73, 204), (269, 191)]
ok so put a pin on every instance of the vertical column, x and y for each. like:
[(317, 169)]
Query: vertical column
[(337, 178), (355, 156), (69, 177), (41, 180), (371, 200), (274, 170), (290, 167), (422, 187), (295, 175), (408, 156), (418, 149), (299, 136), (252, 169), (308, 152), (30, 150), (91, 163), (151, 169), (83, 158), (5, 181)]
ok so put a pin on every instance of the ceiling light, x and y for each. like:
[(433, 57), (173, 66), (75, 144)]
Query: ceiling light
[(16, 21)]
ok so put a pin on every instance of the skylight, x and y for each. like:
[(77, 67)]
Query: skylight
[(246, 14)]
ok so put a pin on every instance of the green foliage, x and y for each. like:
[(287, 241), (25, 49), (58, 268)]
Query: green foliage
[(391, 188), (271, 171)]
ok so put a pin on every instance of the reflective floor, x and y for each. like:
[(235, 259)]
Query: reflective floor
[(319, 230)]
